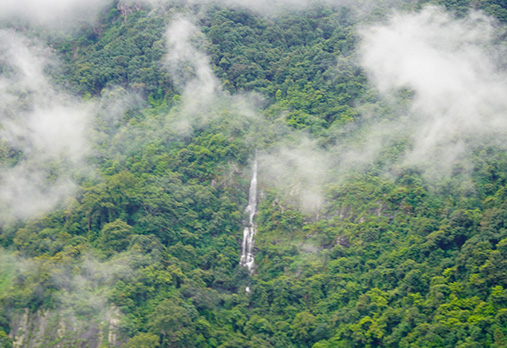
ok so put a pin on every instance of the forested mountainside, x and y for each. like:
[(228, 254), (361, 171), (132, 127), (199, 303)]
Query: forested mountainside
[(367, 139)]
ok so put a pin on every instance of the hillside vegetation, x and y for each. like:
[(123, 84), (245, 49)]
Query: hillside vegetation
[(126, 152)]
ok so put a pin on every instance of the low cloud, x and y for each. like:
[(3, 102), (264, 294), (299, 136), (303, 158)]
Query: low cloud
[(298, 171), (77, 287), (451, 66), (189, 66), (52, 13), (90, 282), (43, 131), (203, 99)]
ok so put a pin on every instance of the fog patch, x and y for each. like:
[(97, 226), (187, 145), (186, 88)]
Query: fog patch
[(43, 131), (70, 295), (52, 13), (87, 287), (289, 161), (298, 171), (452, 68), (190, 67)]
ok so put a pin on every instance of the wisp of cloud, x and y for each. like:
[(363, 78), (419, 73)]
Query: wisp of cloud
[(189, 66), (52, 13), (451, 66), (43, 131)]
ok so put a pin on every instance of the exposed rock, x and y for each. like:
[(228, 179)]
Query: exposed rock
[(125, 9), (344, 212), (343, 241), (58, 329)]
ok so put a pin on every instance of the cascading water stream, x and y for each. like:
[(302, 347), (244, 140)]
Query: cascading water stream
[(247, 257)]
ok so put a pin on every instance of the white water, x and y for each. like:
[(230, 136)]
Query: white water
[(247, 257)]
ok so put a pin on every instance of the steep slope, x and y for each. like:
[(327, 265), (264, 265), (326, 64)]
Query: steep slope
[(380, 144)]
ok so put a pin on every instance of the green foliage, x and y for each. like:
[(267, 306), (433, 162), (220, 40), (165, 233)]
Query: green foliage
[(291, 60), (391, 259), (124, 53), (115, 236), (143, 340)]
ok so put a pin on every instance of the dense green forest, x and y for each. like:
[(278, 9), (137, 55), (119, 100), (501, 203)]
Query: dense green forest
[(127, 146)]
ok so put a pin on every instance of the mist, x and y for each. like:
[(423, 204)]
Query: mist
[(43, 131), (201, 98), (452, 68), (449, 66), (294, 166), (89, 284), (442, 81), (81, 287), (55, 14), (298, 171), (189, 66)]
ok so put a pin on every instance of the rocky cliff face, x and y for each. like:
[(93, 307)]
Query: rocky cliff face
[(58, 329)]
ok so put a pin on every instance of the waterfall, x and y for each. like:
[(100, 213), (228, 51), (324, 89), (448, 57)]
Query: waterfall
[(247, 257)]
